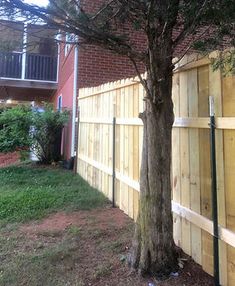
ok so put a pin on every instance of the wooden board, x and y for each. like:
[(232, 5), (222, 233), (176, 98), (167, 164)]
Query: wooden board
[(194, 165), (229, 168), (117, 147), (205, 174), (130, 151), (126, 153), (184, 160), (215, 90), (176, 166)]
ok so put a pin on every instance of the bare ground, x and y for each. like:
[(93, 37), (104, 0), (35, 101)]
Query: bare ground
[(85, 248)]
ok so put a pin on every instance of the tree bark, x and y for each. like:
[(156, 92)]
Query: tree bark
[(153, 250)]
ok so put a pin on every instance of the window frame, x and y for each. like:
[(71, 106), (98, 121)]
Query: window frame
[(60, 103), (69, 38)]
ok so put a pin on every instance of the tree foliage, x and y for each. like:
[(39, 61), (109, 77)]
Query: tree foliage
[(205, 25), (226, 62)]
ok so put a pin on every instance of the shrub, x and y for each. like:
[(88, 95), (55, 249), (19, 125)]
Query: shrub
[(46, 133), (14, 128), (22, 129)]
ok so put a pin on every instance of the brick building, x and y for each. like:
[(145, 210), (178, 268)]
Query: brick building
[(86, 66)]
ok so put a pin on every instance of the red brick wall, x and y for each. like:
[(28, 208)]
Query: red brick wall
[(97, 65), (7, 159)]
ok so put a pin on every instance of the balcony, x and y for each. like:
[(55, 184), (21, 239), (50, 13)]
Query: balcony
[(27, 76), (28, 62), (28, 66)]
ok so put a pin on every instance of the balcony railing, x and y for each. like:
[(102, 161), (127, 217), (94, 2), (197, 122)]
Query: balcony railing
[(10, 65), (28, 66)]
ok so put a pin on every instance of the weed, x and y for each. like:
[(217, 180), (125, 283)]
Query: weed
[(74, 230)]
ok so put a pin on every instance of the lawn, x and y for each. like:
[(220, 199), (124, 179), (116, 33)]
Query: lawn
[(28, 193), (58, 231)]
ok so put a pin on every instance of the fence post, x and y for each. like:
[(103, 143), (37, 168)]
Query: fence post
[(114, 161), (214, 193)]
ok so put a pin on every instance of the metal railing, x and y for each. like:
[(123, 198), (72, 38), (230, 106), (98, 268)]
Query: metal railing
[(29, 66), (10, 65)]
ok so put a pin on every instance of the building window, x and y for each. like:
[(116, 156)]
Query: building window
[(59, 104), (69, 39)]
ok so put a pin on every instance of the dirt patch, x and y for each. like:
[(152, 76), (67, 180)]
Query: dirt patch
[(85, 248), (103, 219)]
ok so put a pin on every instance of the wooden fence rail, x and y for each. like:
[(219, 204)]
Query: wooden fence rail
[(191, 182)]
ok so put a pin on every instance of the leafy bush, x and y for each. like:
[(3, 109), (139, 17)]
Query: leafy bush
[(46, 133), (14, 128), (21, 129)]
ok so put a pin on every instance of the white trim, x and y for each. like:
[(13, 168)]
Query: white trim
[(60, 101), (58, 58), (75, 93), (27, 80), (25, 40), (67, 43)]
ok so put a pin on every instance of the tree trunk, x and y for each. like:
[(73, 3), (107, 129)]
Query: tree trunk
[(153, 250)]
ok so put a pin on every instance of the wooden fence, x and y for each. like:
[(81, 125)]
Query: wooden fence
[(191, 179)]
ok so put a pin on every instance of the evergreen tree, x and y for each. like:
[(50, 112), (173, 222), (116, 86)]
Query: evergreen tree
[(171, 28)]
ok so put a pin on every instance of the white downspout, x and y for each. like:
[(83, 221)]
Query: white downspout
[(25, 40), (75, 93), (58, 39)]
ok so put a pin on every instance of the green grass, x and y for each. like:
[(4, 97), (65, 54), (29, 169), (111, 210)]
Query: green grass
[(28, 193)]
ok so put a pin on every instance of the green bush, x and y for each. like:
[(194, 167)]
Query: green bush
[(46, 133), (14, 128), (22, 128)]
